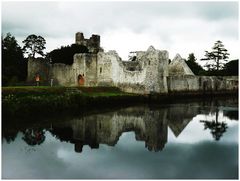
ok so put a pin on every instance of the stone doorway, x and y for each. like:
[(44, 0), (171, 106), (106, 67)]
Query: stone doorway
[(81, 79)]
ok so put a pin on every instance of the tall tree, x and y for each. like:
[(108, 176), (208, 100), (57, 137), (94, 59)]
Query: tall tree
[(193, 65), (217, 57), (34, 44), (14, 66)]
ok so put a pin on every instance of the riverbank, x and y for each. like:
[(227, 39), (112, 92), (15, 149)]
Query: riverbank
[(37, 102), (44, 101)]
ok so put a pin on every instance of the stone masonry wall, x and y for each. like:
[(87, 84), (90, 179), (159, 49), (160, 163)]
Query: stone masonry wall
[(85, 64), (202, 83), (150, 78), (62, 74), (38, 66)]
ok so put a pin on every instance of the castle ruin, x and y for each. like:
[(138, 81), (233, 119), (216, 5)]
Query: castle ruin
[(147, 72)]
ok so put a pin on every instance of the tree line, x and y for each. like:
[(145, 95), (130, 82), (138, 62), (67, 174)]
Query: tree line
[(229, 69), (14, 64)]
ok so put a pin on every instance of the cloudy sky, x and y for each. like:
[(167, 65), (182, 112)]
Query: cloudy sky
[(179, 27)]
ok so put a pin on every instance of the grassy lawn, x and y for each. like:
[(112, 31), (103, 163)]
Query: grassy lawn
[(32, 101), (47, 90)]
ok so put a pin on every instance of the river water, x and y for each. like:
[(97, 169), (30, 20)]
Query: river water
[(197, 139)]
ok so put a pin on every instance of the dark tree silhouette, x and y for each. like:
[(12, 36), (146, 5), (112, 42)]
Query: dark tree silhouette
[(65, 53), (14, 66), (231, 68), (34, 136), (231, 114), (34, 44), (193, 65), (217, 128), (217, 57), (9, 135)]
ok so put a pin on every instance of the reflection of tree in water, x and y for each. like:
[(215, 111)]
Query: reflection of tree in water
[(63, 134), (34, 136), (217, 128), (232, 114), (9, 136)]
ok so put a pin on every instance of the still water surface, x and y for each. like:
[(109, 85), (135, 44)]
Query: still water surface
[(188, 140)]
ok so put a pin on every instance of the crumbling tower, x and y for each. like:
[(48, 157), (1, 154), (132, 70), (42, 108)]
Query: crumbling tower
[(80, 38), (93, 43)]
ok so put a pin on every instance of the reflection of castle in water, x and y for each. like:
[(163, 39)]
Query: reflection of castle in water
[(149, 124)]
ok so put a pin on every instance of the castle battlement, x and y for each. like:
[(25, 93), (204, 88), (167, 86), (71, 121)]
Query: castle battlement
[(93, 43)]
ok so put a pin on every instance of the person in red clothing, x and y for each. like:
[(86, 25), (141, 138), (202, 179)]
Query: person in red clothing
[(37, 78)]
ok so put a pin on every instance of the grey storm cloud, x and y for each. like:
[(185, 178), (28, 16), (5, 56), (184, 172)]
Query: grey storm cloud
[(58, 18), (165, 25)]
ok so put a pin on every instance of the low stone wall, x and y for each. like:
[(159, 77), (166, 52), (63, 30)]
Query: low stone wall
[(183, 83), (188, 83), (132, 88)]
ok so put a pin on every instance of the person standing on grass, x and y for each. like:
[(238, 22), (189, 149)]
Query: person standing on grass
[(37, 79)]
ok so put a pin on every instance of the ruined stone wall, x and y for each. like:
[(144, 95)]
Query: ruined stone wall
[(232, 82), (38, 66), (202, 83), (93, 43), (85, 64), (104, 69), (90, 69), (157, 70), (62, 74), (65, 75), (116, 71), (178, 66), (183, 83), (79, 66), (150, 76)]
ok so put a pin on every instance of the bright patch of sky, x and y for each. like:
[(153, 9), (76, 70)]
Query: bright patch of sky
[(178, 27)]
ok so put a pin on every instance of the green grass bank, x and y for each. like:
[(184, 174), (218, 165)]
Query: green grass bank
[(21, 102), (36, 102)]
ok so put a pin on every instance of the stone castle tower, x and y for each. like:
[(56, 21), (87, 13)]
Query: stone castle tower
[(93, 43)]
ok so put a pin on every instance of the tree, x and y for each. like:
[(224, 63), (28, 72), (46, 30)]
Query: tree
[(217, 128), (216, 57), (65, 53), (34, 136), (193, 65), (14, 66), (34, 44), (231, 68)]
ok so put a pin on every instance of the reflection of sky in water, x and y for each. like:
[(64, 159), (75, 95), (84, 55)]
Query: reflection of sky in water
[(193, 154), (194, 131)]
